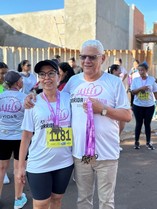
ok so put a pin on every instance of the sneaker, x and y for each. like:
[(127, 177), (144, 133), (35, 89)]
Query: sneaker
[(150, 146), (6, 179), (137, 145), (120, 149), (19, 203)]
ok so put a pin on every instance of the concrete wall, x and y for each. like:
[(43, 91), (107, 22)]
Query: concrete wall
[(106, 20), (80, 19), (37, 29), (112, 25), (131, 26), (139, 26)]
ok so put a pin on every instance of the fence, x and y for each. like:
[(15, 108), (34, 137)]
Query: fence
[(12, 56)]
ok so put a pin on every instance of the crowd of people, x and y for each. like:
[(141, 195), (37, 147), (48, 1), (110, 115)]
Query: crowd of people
[(71, 121)]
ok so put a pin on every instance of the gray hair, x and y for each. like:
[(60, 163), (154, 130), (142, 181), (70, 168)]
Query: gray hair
[(93, 43)]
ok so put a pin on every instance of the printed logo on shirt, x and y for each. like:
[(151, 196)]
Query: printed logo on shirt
[(13, 105), (91, 90), (63, 119), (83, 92)]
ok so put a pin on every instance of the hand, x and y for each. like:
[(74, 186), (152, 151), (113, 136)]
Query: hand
[(21, 176), (28, 103), (97, 106), (144, 88)]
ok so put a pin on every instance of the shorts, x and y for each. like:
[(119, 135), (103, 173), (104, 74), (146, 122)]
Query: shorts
[(9, 147), (42, 185)]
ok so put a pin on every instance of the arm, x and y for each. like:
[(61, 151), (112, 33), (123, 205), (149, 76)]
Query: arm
[(25, 142), (155, 94), (120, 114), (143, 88), (125, 76)]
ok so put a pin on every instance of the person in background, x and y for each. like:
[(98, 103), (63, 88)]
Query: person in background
[(29, 79), (58, 58), (10, 131), (115, 70), (123, 74), (50, 162), (65, 73), (3, 71), (144, 89), (72, 62), (133, 74)]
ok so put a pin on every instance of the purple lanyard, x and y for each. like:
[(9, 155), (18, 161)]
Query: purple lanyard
[(90, 131), (54, 117)]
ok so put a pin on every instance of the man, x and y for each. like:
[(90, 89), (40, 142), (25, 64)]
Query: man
[(98, 133), (110, 104)]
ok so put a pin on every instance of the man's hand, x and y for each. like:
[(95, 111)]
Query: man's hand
[(28, 103), (97, 106)]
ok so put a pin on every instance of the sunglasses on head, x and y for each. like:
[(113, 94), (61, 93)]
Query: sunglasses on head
[(90, 57)]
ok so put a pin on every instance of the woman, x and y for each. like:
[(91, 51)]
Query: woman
[(11, 116), (115, 70), (50, 162), (65, 73), (144, 88), (29, 79), (133, 74)]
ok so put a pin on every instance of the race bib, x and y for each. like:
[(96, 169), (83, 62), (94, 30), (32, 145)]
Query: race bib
[(143, 96), (59, 137)]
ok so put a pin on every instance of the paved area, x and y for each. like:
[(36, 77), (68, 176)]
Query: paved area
[(136, 182)]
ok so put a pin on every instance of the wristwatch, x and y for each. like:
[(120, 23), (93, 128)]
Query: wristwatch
[(104, 111)]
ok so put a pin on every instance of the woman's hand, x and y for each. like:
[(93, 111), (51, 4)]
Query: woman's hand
[(21, 175)]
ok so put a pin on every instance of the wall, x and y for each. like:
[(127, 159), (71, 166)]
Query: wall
[(80, 18), (112, 26), (139, 26), (37, 29)]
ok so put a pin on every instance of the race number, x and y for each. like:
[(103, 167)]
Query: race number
[(143, 96), (59, 137)]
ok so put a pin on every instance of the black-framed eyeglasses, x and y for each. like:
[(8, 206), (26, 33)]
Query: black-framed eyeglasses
[(28, 65), (90, 57), (51, 74)]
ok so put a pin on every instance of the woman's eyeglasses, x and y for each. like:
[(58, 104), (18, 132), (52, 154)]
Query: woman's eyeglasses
[(90, 57), (50, 74), (28, 65)]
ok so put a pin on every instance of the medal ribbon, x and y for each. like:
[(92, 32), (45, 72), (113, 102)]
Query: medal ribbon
[(90, 131), (54, 117)]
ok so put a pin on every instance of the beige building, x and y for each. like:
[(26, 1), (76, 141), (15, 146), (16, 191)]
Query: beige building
[(106, 20)]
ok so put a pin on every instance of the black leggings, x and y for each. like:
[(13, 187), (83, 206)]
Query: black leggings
[(143, 114)]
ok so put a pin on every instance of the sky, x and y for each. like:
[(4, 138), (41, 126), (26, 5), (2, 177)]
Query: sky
[(147, 7)]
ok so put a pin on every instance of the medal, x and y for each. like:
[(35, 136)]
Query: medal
[(90, 156)]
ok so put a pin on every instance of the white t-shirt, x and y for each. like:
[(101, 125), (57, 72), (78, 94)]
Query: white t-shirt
[(11, 114), (28, 83), (40, 158), (109, 89), (147, 100), (123, 72)]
